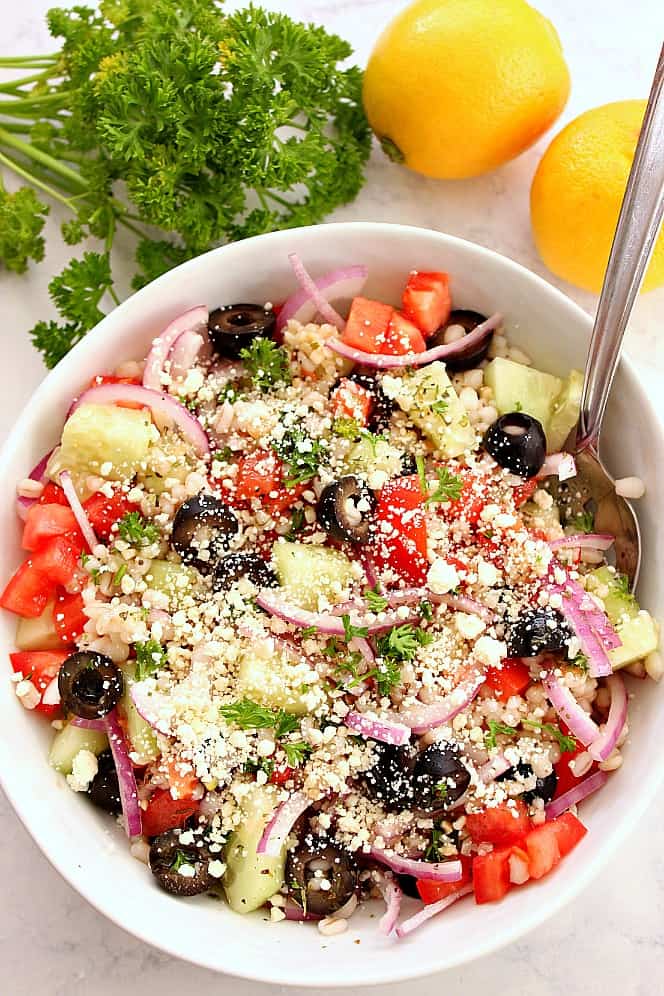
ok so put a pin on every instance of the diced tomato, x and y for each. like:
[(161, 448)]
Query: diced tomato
[(569, 831), (53, 495), (543, 851), (565, 775), (499, 825), (427, 300), (367, 324), (165, 813), (104, 512), (68, 616), (431, 892), (27, 592), (401, 542), (402, 336), (182, 782), (281, 500), (510, 679), (101, 379), (258, 473), (522, 492), (350, 400), (470, 503), (491, 875), (43, 522), (58, 560), (281, 774), (41, 667)]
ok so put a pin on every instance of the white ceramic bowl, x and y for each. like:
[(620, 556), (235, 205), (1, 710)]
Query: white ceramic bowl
[(93, 856)]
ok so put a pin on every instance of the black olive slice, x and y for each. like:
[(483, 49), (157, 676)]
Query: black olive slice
[(537, 631), (234, 326), (90, 684), (321, 875), (516, 441), (104, 789), (344, 510), (440, 777), (390, 780), (230, 569), (168, 855), (469, 320), (203, 523)]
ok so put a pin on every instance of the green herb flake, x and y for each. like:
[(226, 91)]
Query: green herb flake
[(346, 428), (150, 658), (375, 601), (449, 487), (496, 729), (296, 753), (133, 528), (266, 364)]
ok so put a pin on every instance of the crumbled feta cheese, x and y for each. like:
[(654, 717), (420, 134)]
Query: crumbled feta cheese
[(469, 626), (442, 577), (487, 573), (84, 769), (490, 651)]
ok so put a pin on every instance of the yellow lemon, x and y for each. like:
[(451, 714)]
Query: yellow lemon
[(577, 192), (455, 88)]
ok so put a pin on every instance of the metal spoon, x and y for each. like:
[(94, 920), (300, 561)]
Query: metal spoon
[(634, 239)]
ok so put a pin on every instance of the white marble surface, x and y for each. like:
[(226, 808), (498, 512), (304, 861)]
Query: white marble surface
[(610, 940)]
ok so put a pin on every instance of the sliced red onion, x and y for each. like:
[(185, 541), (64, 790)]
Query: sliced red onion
[(126, 779), (438, 871), (51, 694), (293, 912), (561, 465), (89, 724), (157, 402), (575, 795), (600, 749), (422, 718), (392, 893), (493, 768), (283, 820), (581, 725), (598, 619), (345, 283), (386, 731), (460, 603), (188, 348), (443, 352), (591, 541), (38, 473), (430, 910), (80, 514), (325, 622), (190, 320), (309, 286), (146, 706), (363, 647), (599, 664), (369, 568)]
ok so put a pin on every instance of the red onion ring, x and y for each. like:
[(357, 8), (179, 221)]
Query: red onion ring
[(430, 910), (461, 603), (423, 718), (438, 871), (192, 319), (493, 768), (126, 778), (386, 731), (293, 912), (187, 349), (38, 473), (308, 284), (600, 749), (325, 622), (157, 402), (344, 283), (575, 795), (283, 820), (142, 700), (561, 465), (80, 514), (591, 541), (599, 620), (582, 726), (387, 362), (392, 893), (89, 724), (369, 568)]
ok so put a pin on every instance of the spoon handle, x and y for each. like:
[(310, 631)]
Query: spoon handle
[(633, 242)]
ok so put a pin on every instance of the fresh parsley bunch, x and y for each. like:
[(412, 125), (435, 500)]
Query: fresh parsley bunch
[(183, 124)]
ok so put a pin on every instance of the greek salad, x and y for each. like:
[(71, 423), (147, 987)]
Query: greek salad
[(317, 610)]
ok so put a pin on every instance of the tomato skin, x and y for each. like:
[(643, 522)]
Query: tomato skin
[(401, 542), (68, 616), (58, 561), (166, 813), (402, 337), (522, 492), (27, 592), (491, 875), (367, 324), (104, 512), (281, 774), (350, 400), (569, 831), (101, 379), (182, 784), (543, 852), (470, 503), (42, 666), (427, 301), (43, 522), (500, 825), (53, 495), (258, 473), (566, 777), (431, 892), (511, 679)]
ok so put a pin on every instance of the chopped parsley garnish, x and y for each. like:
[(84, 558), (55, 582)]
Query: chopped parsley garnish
[(347, 428), (119, 574), (189, 403), (331, 648), (375, 601), (297, 524), (135, 529), (426, 610), (150, 657), (402, 642), (441, 790), (449, 486), (223, 456), (432, 852), (495, 729), (301, 454), (566, 743), (387, 675), (440, 406), (421, 473), (265, 764), (229, 392), (580, 661), (350, 667), (180, 859), (308, 631), (296, 754), (583, 523), (350, 631), (266, 363), (250, 715)]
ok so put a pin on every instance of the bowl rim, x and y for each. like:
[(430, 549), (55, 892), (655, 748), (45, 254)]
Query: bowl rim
[(509, 932)]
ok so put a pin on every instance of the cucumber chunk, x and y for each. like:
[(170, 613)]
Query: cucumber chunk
[(172, 579), (68, 741), (39, 633), (277, 682), (142, 741), (368, 457), (429, 399), (310, 572), (636, 628), (251, 878), (95, 435), (565, 411)]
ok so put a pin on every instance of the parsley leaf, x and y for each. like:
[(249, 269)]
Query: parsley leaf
[(495, 729), (387, 675), (375, 601), (566, 743), (449, 486), (21, 222), (266, 363), (296, 753), (350, 631), (250, 715), (421, 473), (432, 852), (583, 523), (150, 657), (347, 428), (302, 455), (119, 574), (402, 642), (135, 529), (180, 859)]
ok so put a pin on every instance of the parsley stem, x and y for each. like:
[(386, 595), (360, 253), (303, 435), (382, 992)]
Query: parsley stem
[(24, 105), (41, 157), (29, 61), (31, 178), (13, 87)]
